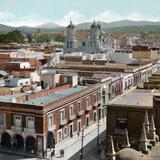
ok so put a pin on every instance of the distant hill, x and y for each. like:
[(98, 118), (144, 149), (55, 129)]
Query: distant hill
[(147, 30), (122, 23), (113, 26), (5, 28), (49, 25)]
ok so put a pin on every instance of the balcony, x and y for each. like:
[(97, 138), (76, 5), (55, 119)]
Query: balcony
[(95, 104), (63, 122), (80, 112), (88, 108), (99, 103), (16, 129), (72, 117), (29, 131), (52, 128)]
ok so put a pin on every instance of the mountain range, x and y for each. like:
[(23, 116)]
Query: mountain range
[(53, 27)]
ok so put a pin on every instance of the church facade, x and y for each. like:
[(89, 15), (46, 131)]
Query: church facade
[(96, 43)]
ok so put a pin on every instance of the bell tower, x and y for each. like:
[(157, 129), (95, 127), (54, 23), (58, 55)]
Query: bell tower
[(94, 38), (70, 40)]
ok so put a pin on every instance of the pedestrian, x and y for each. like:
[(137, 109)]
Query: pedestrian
[(78, 134), (52, 154)]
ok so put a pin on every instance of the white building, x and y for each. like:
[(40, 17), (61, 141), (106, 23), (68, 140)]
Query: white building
[(97, 42), (18, 82)]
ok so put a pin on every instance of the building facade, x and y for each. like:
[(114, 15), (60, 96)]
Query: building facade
[(97, 42), (35, 122)]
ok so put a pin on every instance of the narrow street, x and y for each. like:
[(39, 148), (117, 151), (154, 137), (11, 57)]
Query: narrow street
[(4, 156), (90, 150)]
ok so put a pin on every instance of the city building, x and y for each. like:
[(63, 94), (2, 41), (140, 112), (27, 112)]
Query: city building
[(129, 111), (33, 122)]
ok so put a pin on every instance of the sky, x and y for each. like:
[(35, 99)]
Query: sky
[(36, 12)]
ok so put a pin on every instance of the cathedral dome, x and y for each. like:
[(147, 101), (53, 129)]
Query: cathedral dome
[(128, 154), (94, 24), (71, 25)]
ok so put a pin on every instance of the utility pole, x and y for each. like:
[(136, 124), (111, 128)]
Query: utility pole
[(98, 149), (81, 153)]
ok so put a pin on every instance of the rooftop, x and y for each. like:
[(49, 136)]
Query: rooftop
[(10, 98), (56, 96), (16, 62), (135, 98), (45, 100)]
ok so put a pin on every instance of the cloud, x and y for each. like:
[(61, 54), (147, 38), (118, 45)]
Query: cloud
[(12, 20), (109, 16), (75, 16), (27, 21), (5, 16), (106, 16)]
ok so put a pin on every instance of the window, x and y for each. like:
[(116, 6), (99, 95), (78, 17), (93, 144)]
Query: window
[(87, 121), (87, 102), (30, 122), (121, 123), (62, 115), (17, 120), (83, 44), (65, 132), (79, 126), (59, 135), (99, 96), (94, 99), (70, 44), (50, 122), (95, 116), (2, 119), (67, 44), (65, 80), (91, 43), (125, 84), (71, 110), (79, 106)]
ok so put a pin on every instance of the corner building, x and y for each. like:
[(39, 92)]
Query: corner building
[(35, 122)]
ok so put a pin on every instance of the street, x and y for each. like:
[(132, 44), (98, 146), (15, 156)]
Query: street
[(90, 150), (4, 156)]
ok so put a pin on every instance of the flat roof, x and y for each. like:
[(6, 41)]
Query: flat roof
[(10, 98), (135, 98), (17, 79), (46, 99), (16, 62), (56, 96)]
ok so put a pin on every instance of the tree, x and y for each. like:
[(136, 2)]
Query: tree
[(29, 36), (14, 36)]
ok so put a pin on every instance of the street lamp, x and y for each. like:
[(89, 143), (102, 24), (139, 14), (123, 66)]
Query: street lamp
[(81, 152)]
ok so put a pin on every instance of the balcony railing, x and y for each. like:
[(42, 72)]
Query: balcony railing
[(29, 131), (95, 104), (16, 129), (63, 122), (88, 108), (72, 117), (80, 112)]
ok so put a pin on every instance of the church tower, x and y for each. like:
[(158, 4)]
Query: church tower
[(70, 41), (94, 38)]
